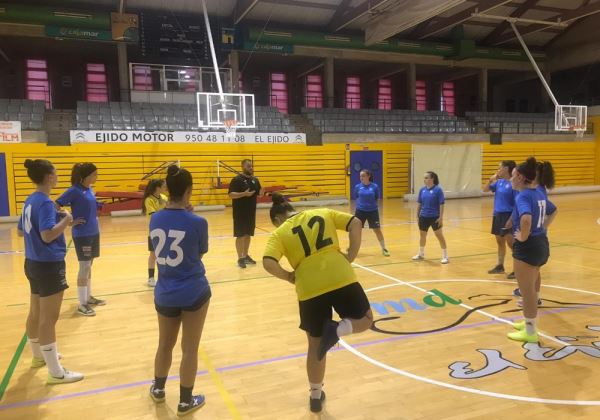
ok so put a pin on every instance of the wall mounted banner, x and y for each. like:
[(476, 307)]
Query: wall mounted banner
[(10, 131), (208, 137), (77, 33)]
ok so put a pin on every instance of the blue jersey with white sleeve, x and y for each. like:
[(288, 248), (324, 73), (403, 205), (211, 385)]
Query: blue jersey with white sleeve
[(82, 201), (431, 200), (39, 214), (504, 196), (532, 201), (179, 239), (366, 196)]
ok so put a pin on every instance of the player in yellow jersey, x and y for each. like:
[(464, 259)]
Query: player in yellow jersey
[(323, 277), (154, 200)]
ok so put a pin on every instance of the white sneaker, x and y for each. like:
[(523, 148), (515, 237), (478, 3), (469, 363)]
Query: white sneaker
[(418, 257), (445, 260), (67, 378), (151, 282)]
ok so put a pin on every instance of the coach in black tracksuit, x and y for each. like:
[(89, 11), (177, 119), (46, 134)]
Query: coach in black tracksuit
[(243, 191)]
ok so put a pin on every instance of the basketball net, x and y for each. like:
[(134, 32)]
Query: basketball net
[(578, 129), (230, 127)]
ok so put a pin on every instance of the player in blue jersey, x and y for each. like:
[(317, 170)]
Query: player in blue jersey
[(45, 249), (86, 234), (545, 181), (431, 214), (532, 216), (504, 203), (182, 293), (366, 194)]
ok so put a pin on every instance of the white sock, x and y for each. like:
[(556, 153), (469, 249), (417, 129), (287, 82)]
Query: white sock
[(382, 243), (315, 390), (422, 251), (537, 295), (344, 327), (444, 253), (82, 293), (51, 358), (530, 325), (501, 260), (89, 289), (34, 344)]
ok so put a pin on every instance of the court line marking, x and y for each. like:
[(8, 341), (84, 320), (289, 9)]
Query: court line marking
[(479, 311), (392, 369), (262, 362), (218, 382)]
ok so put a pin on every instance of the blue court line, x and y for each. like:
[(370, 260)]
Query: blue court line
[(265, 361)]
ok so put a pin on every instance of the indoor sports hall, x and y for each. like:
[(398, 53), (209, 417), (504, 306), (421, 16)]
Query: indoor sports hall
[(346, 110)]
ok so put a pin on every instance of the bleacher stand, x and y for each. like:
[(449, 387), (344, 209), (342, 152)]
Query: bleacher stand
[(30, 113), (341, 120), (163, 117), (513, 122)]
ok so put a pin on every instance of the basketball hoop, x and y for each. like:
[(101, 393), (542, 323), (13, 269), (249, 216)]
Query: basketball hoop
[(230, 127), (578, 129)]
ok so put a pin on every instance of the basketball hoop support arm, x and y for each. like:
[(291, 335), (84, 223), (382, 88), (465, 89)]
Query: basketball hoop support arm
[(533, 63), (212, 52)]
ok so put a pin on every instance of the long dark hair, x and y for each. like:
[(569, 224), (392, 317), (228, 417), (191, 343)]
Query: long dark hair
[(151, 188), (436, 180), (528, 169), (38, 169), (280, 206), (81, 171), (178, 182), (545, 175)]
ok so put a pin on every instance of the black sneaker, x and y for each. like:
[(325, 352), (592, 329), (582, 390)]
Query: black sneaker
[(158, 395), (517, 292), (242, 263), (511, 276), (196, 403), (499, 269), (329, 337), (249, 260), (316, 404)]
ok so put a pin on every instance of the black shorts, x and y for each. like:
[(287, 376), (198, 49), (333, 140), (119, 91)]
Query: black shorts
[(150, 246), (426, 222), (349, 302), (175, 311), (534, 251), (87, 247), (244, 223), (499, 222), (370, 216), (46, 278)]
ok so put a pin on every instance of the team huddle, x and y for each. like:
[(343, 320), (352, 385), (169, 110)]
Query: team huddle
[(322, 274)]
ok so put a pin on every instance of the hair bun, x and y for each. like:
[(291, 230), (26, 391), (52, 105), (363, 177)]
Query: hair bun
[(172, 170), (531, 161), (28, 163), (277, 198)]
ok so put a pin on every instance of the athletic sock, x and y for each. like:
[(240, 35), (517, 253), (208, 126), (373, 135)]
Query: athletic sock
[(159, 383), (421, 251), (444, 253), (185, 395), (51, 358), (501, 260), (89, 289), (344, 327), (315, 390), (530, 325), (382, 243), (82, 294), (34, 344)]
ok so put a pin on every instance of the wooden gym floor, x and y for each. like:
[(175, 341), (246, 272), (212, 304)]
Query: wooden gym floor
[(422, 361)]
